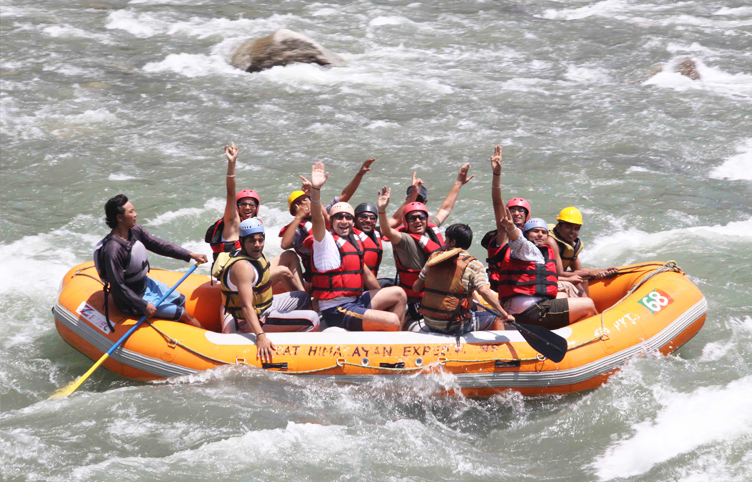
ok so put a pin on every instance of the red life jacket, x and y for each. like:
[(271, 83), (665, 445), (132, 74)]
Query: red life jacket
[(306, 228), (527, 277), (373, 248), (214, 238), (347, 280), (495, 258), (430, 241)]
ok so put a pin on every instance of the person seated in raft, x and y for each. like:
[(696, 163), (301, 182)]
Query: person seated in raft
[(448, 281), (247, 293), (223, 236), (299, 204), (348, 293), (366, 217), (122, 264), (496, 241), (528, 280), (417, 237), (565, 242)]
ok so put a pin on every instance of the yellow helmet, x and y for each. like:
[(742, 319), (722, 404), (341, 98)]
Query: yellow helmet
[(570, 215), (294, 197)]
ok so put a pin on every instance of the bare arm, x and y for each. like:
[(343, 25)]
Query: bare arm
[(243, 276), (349, 190), (448, 204), (418, 285), (288, 237), (370, 281), (557, 255), (396, 218), (492, 299), (386, 230), (508, 226), (498, 202), (231, 217), (318, 178)]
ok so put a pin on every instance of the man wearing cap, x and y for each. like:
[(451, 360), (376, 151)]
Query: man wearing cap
[(565, 242), (299, 204), (348, 293), (246, 284), (448, 281), (528, 279)]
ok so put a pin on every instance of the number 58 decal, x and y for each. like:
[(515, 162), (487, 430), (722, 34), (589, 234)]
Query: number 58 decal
[(656, 300)]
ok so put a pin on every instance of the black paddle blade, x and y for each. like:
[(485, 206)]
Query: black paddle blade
[(543, 340)]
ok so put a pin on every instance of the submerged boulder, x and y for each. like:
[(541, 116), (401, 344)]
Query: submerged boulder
[(281, 48), (688, 68)]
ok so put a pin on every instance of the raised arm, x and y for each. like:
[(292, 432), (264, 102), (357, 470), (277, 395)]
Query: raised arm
[(448, 204), (386, 230), (350, 189), (231, 217), (396, 218), (318, 179), (288, 237), (498, 202)]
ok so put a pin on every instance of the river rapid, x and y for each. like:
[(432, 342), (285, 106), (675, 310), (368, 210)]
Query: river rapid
[(138, 97)]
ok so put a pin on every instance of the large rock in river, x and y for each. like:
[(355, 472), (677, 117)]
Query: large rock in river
[(281, 48)]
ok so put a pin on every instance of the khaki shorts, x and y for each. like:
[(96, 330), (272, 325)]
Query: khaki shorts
[(551, 314)]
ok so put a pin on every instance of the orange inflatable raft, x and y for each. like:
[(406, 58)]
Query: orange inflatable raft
[(646, 308)]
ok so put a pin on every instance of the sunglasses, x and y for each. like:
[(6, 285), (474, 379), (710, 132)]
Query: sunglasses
[(415, 217), (345, 216), (247, 204), (371, 217)]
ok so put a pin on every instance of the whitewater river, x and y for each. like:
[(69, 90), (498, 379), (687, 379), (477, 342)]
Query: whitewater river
[(138, 97)]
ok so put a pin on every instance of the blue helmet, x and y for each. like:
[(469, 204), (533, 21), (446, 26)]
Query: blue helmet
[(251, 226), (535, 223)]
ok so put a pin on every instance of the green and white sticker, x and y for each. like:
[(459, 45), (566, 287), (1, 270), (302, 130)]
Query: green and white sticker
[(656, 300)]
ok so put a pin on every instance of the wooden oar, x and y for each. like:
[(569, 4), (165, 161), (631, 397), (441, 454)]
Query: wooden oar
[(542, 340), (73, 386)]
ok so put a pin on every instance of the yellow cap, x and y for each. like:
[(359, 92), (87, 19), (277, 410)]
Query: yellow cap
[(292, 198), (570, 215)]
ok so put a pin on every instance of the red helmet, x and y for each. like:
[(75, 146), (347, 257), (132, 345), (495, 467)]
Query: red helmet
[(248, 193), (411, 208), (518, 201)]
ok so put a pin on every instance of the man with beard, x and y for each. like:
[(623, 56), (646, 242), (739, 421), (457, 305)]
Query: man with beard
[(348, 293)]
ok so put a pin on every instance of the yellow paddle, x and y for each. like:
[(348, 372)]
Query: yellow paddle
[(73, 386)]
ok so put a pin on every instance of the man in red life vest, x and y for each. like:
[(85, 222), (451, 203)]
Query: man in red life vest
[(348, 293), (528, 281), (299, 204), (223, 235), (496, 241)]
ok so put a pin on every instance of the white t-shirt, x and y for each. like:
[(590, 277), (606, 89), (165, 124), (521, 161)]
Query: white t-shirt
[(326, 257)]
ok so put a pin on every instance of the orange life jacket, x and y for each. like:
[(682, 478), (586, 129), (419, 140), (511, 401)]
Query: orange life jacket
[(444, 298)]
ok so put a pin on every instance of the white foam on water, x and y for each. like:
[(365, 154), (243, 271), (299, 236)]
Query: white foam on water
[(68, 31), (325, 12), (607, 8), (733, 11), (141, 25), (192, 65), (686, 422), (120, 177), (212, 205), (737, 167), (615, 246), (587, 75), (711, 79), (393, 20)]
